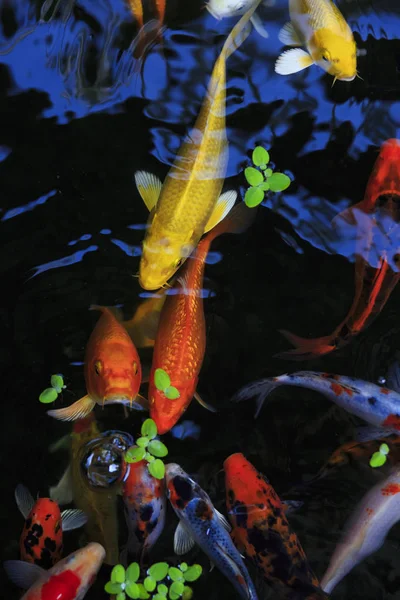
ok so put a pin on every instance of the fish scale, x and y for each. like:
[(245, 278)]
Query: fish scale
[(322, 14)]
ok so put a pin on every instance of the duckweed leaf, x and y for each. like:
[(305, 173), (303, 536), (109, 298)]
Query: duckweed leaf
[(384, 449), (149, 457), (142, 442), (162, 588), (176, 590), (260, 157), (253, 197), (187, 593), (377, 459), (132, 573), (193, 573), (132, 590), (120, 596), (171, 392), (149, 429), (48, 395), (175, 574), (183, 567), (159, 571), (150, 584), (134, 454), (143, 593), (268, 173), (159, 596), (278, 182), (113, 588), (57, 382), (253, 176), (118, 574), (157, 468), (161, 379), (157, 448), (264, 186)]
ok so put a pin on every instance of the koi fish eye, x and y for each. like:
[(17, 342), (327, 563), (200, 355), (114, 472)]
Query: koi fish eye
[(326, 56), (98, 367), (135, 367)]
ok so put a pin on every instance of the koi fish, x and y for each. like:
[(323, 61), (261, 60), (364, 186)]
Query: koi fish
[(147, 33), (220, 9), (113, 372), (100, 506), (373, 286), (69, 579), (366, 529), (201, 523), (145, 504), (262, 532), (189, 203), (378, 406), (181, 337), (41, 541), (321, 28)]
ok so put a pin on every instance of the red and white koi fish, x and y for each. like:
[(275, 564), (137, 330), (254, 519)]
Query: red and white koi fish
[(69, 579), (366, 530)]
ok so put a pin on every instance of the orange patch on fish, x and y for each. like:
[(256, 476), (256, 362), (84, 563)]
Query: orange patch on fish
[(392, 421), (391, 489), (336, 389)]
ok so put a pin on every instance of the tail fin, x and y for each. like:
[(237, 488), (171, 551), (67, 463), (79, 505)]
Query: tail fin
[(237, 220), (306, 349), (259, 389), (239, 33)]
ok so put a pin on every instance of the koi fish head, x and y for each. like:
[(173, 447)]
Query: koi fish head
[(41, 538), (385, 177), (226, 8), (245, 482), (165, 412), (72, 576), (337, 55), (161, 257)]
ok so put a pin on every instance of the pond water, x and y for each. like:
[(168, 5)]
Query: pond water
[(76, 121)]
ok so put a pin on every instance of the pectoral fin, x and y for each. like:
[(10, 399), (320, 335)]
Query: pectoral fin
[(224, 204), (291, 506), (62, 492), (366, 434), (78, 410), (223, 520), (73, 518), (288, 36), (203, 403), (24, 574), (149, 187), (24, 500), (293, 61), (183, 541), (258, 26)]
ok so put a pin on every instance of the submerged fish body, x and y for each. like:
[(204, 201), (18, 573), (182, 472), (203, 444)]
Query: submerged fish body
[(320, 27), (221, 9), (113, 371), (69, 579), (200, 523), (189, 203), (376, 269), (376, 405), (366, 530), (145, 505), (262, 532)]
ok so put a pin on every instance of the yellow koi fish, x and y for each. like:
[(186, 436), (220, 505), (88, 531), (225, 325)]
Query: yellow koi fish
[(189, 203), (321, 28)]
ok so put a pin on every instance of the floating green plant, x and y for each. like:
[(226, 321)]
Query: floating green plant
[(51, 394), (379, 458), (162, 382), (149, 449), (162, 581), (262, 179)]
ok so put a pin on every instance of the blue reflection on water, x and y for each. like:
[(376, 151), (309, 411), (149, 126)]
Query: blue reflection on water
[(127, 248), (19, 210), (66, 261)]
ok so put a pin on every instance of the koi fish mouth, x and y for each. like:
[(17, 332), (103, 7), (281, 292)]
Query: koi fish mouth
[(351, 78), (117, 396)]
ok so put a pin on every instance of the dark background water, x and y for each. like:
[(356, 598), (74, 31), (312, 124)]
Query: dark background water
[(76, 122)]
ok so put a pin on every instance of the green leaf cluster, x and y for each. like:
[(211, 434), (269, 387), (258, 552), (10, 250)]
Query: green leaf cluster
[(149, 449), (379, 458), (125, 583), (162, 382), (262, 179), (51, 394)]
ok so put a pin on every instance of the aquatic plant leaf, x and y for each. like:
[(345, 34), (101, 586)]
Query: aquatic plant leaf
[(132, 573), (175, 574), (150, 583), (118, 574), (260, 157), (264, 186), (157, 468), (176, 590), (193, 573), (57, 382), (143, 593), (161, 379), (183, 567), (377, 459), (162, 588), (120, 596), (157, 448), (149, 457), (268, 172), (48, 395), (159, 596), (253, 197), (142, 442), (132, 590), (172, 393), (278, 182), (253, 176), (159, 571), (149, 429), (187, 593), (134, 454), (384, 449), (113, 588)]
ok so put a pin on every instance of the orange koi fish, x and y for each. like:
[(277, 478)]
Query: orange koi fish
[(262, 532), (41, 540), (147, 32), (373, 284), (113, 373), (69, 579), (181, 336)]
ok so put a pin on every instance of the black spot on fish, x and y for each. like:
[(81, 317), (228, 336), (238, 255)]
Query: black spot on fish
[(257, 539), (37, 530), (47, 517), (28, 546), (28, 523), (50, 544), (46, 560), (203, 511), (184, 491), (231, 497), (146, 512), (240, 512), (372, 401)]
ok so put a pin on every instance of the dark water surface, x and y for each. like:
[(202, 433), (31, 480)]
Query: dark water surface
[(76, 122)]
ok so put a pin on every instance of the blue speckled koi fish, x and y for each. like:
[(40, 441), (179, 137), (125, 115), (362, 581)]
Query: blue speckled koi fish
[(201, 523), (376, 405)]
